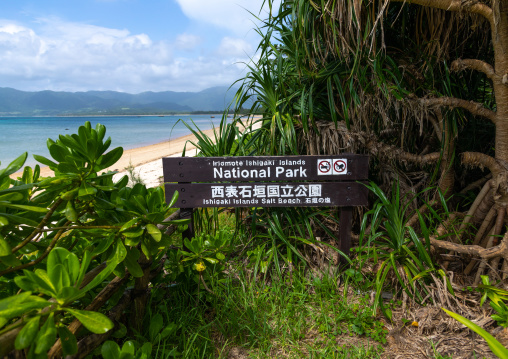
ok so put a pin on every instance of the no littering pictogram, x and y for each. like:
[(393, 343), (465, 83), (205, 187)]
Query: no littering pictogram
[(339, 167), (324, 167)]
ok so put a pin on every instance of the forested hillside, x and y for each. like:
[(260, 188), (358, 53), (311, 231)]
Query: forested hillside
[(14, 102)]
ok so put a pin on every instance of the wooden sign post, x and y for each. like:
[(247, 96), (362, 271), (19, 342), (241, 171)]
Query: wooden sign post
[(271, 181)]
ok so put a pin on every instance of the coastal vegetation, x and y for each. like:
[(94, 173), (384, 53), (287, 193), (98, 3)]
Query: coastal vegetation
[(421, 87)]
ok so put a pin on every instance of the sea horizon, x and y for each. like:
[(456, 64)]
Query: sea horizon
[(19, 134)]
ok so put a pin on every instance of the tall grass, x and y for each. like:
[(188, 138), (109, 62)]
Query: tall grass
[(302, 318)]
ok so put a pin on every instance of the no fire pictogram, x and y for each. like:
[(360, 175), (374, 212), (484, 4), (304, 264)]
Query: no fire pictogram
[(324, 167), (339, 167)]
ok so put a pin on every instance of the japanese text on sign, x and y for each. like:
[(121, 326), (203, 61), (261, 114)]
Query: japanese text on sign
[(265, 194)]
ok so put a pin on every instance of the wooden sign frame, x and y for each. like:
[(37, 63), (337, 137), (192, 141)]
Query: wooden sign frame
[(269, 181)]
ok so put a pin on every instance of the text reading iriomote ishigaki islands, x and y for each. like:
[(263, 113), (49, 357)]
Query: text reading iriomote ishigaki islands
[(267, 181), (257, 168)]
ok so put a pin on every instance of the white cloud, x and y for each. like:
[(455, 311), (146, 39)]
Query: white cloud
[(187, 41), (235, 47), (229, 14), (66, 56)]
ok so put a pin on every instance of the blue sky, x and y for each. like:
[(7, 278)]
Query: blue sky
[(125, 45)]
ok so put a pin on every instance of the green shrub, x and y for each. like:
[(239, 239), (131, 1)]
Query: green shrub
[(65, 238)]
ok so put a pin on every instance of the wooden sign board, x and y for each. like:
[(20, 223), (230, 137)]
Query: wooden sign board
[(271, 181), (346, 167), (269, 194)]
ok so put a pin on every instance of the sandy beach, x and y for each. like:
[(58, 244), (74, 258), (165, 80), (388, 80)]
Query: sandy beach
[(145, 162)]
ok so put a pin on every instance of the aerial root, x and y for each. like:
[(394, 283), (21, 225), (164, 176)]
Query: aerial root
[(487, 254)]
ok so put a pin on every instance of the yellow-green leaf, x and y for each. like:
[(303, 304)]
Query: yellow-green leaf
[(496, 347), (95, 322), (47, 336), (27, 335), (154, 232), (5, 248)]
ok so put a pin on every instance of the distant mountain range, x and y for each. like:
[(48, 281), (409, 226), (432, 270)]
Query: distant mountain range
[(51, 103)]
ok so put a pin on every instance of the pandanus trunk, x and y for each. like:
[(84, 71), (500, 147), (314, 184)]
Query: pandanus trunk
[(500, 42)]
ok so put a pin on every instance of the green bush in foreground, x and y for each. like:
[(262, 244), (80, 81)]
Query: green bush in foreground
[(71, 244)]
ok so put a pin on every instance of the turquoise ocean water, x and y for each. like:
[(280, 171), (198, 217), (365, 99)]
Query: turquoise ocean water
[(29, 134)]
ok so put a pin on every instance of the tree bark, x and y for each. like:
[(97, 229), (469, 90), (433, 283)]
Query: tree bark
[(500, 43)]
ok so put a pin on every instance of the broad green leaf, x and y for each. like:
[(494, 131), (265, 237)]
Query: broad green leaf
[(133, 232), (131, 262), (122, 182), (101, 131), (47, 336), (59, 277), (146, 350), (10, 260), (25, 283), (5, 183), (71, 263), (128, 224), (85, 262), (27, 335), (86, 190), (110, 350), (14, 166), (69, 195), (120, 252), (146, 249), (5, 248), (20, 220), (70, 212), (41, 281), (156, 324), (58, 152), (21, 308), (93, 321), (91, 148), (12, 196), (117, 257), (111, 157), (70, 142), (220, 256), (128, 347), (496, 347), (24, 207), (3, 321), (45, 161), (69, 342), (56, 256), (10, 302), (104, 244), (132, 241), (3, 221), (28, 175), (154, 232), (173, 200), (67, 168), (211, 260), (101, 276), (102, 203), (120, 332)]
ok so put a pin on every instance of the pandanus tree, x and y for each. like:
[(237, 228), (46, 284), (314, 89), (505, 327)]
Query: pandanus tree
[(421, 85)]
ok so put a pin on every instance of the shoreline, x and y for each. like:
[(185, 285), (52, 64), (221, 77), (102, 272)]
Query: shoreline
[(147, 155), (120, 115)]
